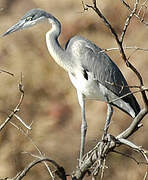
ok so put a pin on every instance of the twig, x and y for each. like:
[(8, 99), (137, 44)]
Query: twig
[(35, 146), (129, 144), (145, 176), (145, 8), (136, 15), (133, 126), (17, 117), (16, 109), (60, 170), (128, 48), (1, 70), (134, 92), (127, 22), (84, 7)]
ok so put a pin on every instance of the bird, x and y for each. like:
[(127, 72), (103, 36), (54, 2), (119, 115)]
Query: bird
[(92, 72)]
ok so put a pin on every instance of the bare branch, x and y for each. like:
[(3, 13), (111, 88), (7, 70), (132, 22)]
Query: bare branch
[(16, 109), (60, 170), (10, 116), (128, 48), (135, 49), (21, 120), (134, 92), (145, 176), (127, 22), (133, 126), (4, 71), (143, 5), (35, 146), (136, 15), (84, 7)]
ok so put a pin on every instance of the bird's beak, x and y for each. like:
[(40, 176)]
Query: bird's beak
[(15, 27)]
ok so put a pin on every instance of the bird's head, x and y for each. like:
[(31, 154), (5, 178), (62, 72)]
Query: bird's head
[(31, 18)]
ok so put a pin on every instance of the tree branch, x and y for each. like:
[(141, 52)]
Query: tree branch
[(60, 170), (136, 15), (16, 109), (127, 22)]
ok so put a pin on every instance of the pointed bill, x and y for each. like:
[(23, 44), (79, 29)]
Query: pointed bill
[(15, 27)]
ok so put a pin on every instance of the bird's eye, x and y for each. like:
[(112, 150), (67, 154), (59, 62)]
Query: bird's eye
[(29, 18)]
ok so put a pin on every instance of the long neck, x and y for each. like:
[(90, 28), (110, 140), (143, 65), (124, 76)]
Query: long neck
[(56, 51)]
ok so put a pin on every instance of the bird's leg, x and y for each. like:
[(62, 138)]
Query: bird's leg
[(108, 118), (83, 125)]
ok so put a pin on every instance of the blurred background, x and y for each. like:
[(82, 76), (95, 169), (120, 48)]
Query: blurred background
[(50, 99)]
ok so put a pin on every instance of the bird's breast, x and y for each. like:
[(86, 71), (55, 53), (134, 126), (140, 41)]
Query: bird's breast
[(90, 88)]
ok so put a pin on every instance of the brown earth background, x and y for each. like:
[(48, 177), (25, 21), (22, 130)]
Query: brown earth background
[(50, 99)]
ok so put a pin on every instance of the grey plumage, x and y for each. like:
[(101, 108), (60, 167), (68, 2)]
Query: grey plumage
[(92, 72), (103, 70)]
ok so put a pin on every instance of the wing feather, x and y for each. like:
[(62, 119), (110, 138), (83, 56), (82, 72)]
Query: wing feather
[(104, 70)]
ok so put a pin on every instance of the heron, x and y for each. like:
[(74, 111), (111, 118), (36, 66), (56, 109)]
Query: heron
[(92, 72)]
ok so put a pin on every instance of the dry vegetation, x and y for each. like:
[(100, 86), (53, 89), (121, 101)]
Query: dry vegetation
[(50, 100)]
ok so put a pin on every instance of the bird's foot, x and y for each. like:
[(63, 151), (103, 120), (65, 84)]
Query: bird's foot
[(80, 163), (104, 134), (106, 137)]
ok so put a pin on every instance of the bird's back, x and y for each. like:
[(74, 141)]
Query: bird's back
[(94, 61)]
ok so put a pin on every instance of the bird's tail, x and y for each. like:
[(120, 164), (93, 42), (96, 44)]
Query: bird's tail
[(129, 105), (134, 104)]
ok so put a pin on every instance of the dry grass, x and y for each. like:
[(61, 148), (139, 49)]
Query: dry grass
[(50, 100)]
